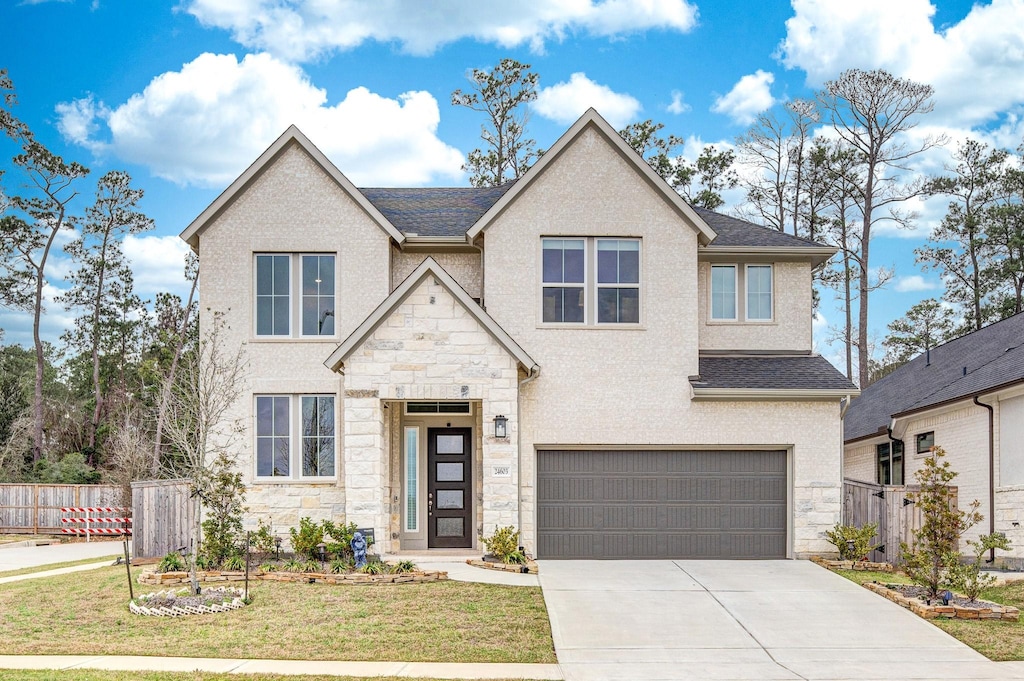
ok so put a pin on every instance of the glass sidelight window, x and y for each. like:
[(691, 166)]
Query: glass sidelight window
[(412, 478)]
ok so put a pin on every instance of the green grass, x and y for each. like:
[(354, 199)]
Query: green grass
[(54, 566), (97, 675), (436, 622), (995, 639)]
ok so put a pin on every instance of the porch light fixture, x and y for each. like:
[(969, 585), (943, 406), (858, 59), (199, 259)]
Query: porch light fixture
[(500, 427)]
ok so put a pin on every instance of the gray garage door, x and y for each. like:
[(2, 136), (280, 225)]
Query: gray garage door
[(661, 504)]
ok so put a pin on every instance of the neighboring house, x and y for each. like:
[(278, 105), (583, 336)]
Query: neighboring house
[(579, 354), (965, 396)]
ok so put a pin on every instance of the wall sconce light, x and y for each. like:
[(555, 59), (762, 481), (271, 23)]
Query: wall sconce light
[(500, 426)]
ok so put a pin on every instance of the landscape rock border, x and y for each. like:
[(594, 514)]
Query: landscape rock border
[(527, 568), (988, 611), (862, 565), (235, 603), (413, 577)]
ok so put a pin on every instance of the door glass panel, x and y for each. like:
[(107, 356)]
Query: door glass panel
[(449, 444), (450, 527), (450, 499), (412, 448), (449, 472)]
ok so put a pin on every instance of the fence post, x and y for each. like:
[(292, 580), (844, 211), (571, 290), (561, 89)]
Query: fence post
[(35, 509)]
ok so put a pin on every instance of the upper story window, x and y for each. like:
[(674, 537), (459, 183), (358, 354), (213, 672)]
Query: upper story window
[(295, 295), (295, 434), (590, 281), (756, 283), (925, 441)]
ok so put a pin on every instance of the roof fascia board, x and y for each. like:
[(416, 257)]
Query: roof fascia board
[(289, 136), (953, 401), (775, 394), (429, 267), (818, 254), (438, 243), (591, 118)]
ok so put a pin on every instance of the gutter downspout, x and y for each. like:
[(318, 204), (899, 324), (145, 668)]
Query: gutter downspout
[(991, 474), (533, 374)]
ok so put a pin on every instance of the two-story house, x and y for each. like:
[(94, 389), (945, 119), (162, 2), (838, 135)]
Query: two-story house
[(579, 354)]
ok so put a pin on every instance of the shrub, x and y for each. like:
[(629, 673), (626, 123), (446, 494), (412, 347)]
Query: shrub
[(261, 542), (268, 567), (853, 543), (341, 546), (235, 563), (312, 566), (294, 565), (967, 578), (937, 542), (172, 562), (222, 529), (375, 568), (503, 544), (306, 538), (341, 565), (404, 566)]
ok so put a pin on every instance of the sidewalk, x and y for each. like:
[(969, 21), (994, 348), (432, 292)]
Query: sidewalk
[(439, 670)]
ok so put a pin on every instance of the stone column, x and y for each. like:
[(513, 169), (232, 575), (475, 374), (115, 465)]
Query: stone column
[(365, 468)]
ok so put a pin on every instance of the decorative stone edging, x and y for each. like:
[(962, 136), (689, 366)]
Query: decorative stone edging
[(414, 577), (989, 611), (235, 603), (529, 568), (862, 565)]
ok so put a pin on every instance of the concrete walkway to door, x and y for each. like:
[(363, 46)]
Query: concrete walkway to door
[(657, 620)]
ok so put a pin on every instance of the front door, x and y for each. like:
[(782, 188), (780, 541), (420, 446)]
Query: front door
[(449, 488)]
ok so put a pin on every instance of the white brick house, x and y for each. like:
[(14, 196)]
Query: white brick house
[(579, 354), (967, 397)]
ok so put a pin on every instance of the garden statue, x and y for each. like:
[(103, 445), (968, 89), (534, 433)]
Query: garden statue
[(359, 549)]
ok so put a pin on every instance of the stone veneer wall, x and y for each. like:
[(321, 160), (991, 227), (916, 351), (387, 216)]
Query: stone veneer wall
[(430, 348)]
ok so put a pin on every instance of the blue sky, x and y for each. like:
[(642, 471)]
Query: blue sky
[(184, 95)]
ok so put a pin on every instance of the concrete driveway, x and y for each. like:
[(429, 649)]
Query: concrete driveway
[(741, 620), (18, 557)]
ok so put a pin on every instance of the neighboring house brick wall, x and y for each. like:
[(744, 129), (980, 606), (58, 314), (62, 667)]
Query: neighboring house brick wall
[(464, 268), (294, 206), (789, 330), (860, 461)]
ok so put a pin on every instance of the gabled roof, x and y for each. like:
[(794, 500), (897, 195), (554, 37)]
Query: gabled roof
[(435, 211), (975, 364), (428, 268), (592, 119), (739, 236), (794, 376), (290, 136)]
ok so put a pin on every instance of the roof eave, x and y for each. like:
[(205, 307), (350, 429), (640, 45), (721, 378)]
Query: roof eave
[(705, 234), (290, 136), (773, 394), (818, 254)]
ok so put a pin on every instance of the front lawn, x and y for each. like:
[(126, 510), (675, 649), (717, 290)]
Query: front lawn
[(98, 675), (995, 639), (54, 566), (436, 622)]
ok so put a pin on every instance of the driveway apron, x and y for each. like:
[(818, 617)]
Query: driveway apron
[(721, 620)]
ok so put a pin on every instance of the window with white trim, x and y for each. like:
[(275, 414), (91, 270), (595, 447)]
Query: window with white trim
[(723, 292), (295, 295), (759, 292), (590, 280), (755, 281), (295, 436)]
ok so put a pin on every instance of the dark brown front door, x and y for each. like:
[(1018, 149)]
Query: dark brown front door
[(449, 488)]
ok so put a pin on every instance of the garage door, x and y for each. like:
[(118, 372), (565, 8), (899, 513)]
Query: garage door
[(661, 504)]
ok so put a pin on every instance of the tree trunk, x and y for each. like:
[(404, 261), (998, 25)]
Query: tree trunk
[(161, 413), (97, 392), (863, 356)]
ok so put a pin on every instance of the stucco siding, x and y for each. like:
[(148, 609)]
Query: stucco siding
[(790, 328)]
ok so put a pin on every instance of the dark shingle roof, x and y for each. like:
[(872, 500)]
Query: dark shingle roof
[(435, 211), (993, 357), (735, 232), (801, 372)]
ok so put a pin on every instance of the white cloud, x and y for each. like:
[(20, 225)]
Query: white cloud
[(975, 65), (158, 264), (204, 124), (299, 30), (678, 106), (749, 96), (914, 282), (55, 320), (567, 101)]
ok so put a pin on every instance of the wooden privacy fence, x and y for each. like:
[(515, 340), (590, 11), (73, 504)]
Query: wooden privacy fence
[(36, 509), (893, 507), (162, 517)]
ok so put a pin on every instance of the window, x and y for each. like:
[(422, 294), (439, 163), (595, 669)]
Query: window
[(723, 292), (295, 425), (412, 480), (437, 407), (759, 292), (618, 281), (563, 266), (925, 441), (890, 465), (756, 283), (313, 312), (590, 281)]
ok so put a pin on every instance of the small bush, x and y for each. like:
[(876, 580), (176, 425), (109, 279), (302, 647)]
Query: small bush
[(312, 566), (967, 578), (503, 544), (172, 562), (853, 543), (375, 568), (341, 546), (306, 538), (261, 542), (235, 563), (341, 565), (294, 565), (403, 566), (268, 567)]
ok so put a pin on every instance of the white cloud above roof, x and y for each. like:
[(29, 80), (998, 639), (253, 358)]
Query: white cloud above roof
[(915, 282), (565, 102), (751, 95), (976, 65), (300, 30), (678, 105), (203, 125)]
